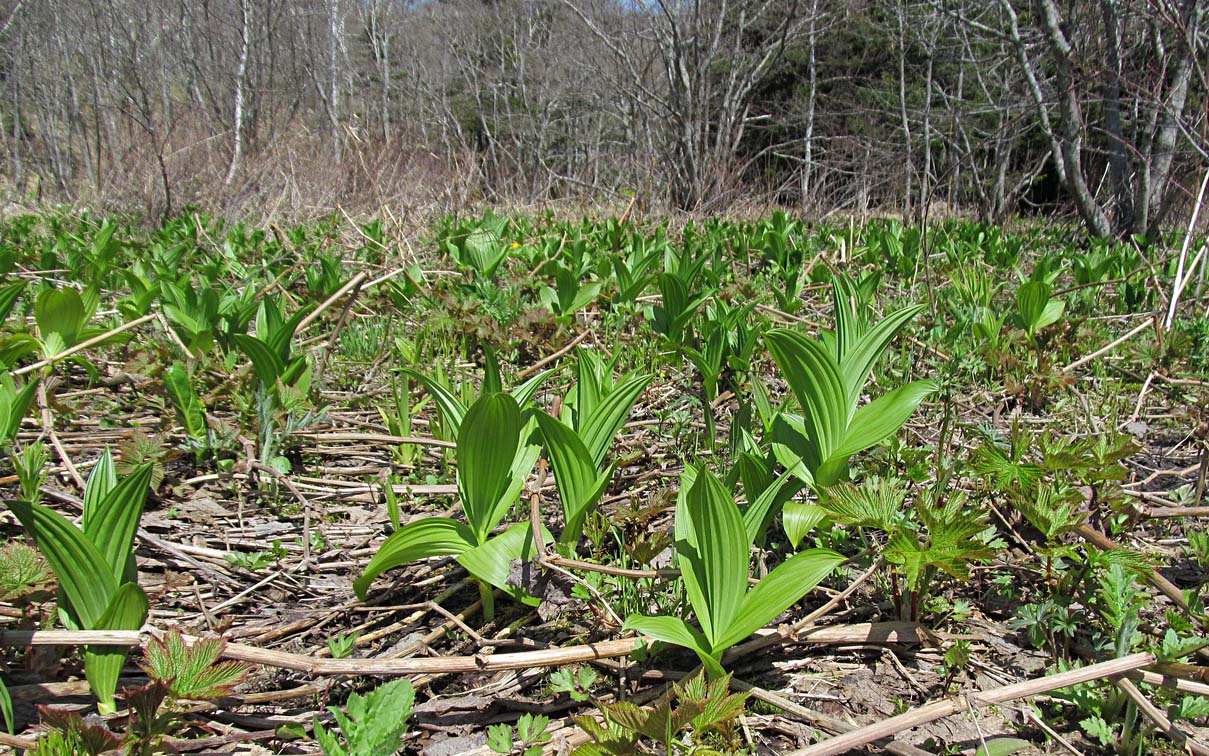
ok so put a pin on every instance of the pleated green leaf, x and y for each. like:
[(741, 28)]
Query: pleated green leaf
[(677, 632), (580, 486), (880, 418), (781, 589), (267, 365), (14, 404), (115, 521), (102, 480), (103, 664), (859, 359), (419, 539), (849, 323), (83, 574), (491, 562), (523, 394), (601, 426), (793, 449), (9, 294), (799, 519), (815, 379), (487, 445), (764, 507), (719, 557), (448, 404), (188, 404), (522, 464)]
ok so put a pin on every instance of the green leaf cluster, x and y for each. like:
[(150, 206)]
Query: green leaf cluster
[(713, 550), (95, 565), (370, 725)]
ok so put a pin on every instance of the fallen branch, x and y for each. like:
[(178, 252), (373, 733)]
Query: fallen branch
[(81, 346), (876, 632), (950, 706), (1110, 346)]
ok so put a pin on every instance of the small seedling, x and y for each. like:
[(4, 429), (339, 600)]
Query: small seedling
[(342, 645), (576, 684), (527, 740)]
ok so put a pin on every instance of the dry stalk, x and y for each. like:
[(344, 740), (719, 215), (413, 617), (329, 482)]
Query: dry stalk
[(950, 706)]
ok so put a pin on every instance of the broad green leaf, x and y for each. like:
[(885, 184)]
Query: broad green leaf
[(419, 539), (718, 558), (60, 315), (487, 444), (448, 404), (103, 664), (1036, 308), (601, 426), (858, 362), (522, 464), (523, 394), (279, 339), (589, 387), (882, 417), (579, 484), (83, 575), (9, 294), (1002, 746), (485, 251), (760, 511), (492, 383), (102, 480), (848, 313), (781, 589), (14, 404), (492, 561), (188, 404), (1051, 314), (265, 362), (815, 380), (671, 630), (793, 449), (116, 520), (799, 519)]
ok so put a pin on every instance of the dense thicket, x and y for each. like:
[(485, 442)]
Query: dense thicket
[(282, 106)]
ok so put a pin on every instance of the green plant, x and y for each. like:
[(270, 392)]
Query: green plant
[(1036, 308), (14, 404), (22, 571), (478, 245), (30, 464), (678, 305), (528, 739), (577, 684), (594, 412), (936, 536), (827, 380), (180, 671), (190, 410), (490, 476), (713, 547), (342, 645), (95, 565), (570, 293), (694, 718), (370, 725), (273, 361), (452, 409)]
